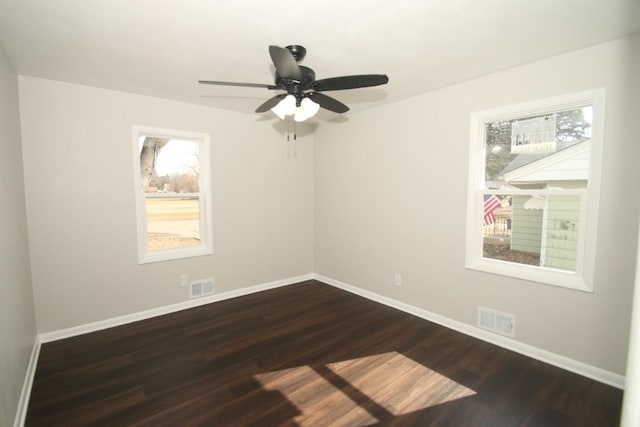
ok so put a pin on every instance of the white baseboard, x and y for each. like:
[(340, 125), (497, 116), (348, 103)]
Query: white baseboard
[(563, 362), (554, 359), (147, 314), (23, 403)]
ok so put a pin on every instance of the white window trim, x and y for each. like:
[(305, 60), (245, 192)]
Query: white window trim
[(582, 278), (206, 233)]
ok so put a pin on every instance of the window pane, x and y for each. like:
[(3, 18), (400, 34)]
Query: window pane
[(512, 145), (533, 189), (169, 165), (173, 192), (534, 229), (173, 222), (548, 151)]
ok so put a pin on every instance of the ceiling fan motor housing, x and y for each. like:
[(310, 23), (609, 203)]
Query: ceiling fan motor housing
[(295, 87)]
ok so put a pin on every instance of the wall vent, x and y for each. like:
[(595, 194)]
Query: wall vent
[(201, 288), (497, 321)]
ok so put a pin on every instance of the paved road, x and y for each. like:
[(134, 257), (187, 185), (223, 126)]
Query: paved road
[(179, 227)]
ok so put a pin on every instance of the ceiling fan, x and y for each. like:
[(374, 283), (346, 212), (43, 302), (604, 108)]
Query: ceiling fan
[(303, 95)]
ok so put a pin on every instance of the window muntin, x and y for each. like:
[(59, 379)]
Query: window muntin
[(533, 177), (172, 187)]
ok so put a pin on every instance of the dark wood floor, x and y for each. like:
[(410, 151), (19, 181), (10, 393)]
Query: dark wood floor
[(306, 354)]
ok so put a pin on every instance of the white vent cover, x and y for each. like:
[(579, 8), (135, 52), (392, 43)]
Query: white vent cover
[(497, 321), (201, 288)]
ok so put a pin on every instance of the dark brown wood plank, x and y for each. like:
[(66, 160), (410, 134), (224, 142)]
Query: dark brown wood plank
[(305, 354)]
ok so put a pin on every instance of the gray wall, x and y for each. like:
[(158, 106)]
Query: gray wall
[(391, 197), (78, 153), (17, 321)]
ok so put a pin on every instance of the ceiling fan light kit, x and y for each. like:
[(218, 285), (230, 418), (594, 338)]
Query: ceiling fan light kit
[(289, 107), (286, 107), (303, 97), (309, 108)]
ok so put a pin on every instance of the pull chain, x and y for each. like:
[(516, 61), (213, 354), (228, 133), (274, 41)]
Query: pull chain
[(295, 136)]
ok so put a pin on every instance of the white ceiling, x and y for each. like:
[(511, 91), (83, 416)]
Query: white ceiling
[(162, 47)]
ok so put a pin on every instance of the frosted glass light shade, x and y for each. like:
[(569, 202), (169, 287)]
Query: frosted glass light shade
[(306, 110), (278, 112), (300, 115), (286, 107), (309, 107)]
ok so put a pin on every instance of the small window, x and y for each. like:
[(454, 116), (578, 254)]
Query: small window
[(173, 194), (533, 198)]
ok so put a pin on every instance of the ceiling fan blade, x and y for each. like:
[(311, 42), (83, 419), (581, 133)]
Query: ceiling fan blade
[(328, 102), (350, 82), (285, 63), (270, 103), (212, 82)]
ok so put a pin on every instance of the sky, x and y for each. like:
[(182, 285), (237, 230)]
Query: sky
[(177, 157)]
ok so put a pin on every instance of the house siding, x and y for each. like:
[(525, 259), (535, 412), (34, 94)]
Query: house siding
[(561, 233), (526, 231)]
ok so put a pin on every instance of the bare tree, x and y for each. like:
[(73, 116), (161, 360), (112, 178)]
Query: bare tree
[(151, 147)]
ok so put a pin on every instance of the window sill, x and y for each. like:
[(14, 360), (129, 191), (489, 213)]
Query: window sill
[(547, 276), (173, 254)]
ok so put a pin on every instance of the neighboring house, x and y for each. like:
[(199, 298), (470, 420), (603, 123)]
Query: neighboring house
[(549, 224)]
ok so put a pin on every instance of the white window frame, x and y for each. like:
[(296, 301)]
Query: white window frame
[(582, 278), (204, 175)]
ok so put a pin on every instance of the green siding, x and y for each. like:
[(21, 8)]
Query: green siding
[(526, 226), (562, 232)]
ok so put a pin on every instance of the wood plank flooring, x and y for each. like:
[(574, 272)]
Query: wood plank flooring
[(309, 355)]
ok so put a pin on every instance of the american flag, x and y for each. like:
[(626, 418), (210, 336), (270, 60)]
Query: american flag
[(491, 203)]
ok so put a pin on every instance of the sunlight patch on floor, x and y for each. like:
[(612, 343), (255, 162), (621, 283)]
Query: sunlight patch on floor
[(362, 391)]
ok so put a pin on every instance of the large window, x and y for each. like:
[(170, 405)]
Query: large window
[(173, 194), (533, 189)]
